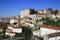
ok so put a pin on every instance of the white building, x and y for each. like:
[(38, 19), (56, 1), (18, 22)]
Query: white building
[(36, 33), (46, 30), (13, 21), (40, 11), (11, 30), (12, 34), (34, 16), (55, 38), (48, 10), (24, 12), (54, 16), (9, 27), (17, 30)]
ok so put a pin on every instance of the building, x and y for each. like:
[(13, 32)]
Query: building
[(50, 33), (48, 10), (40, 11), (11, 34), (12, 30), (13, 20), (17, 30), (26, 12), (33, 16), (58, 12)]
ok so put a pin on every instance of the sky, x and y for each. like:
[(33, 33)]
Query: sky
[(10, 8)]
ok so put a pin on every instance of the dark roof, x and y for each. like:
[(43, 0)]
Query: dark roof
[(54, 35)]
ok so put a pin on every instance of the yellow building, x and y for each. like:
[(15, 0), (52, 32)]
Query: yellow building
[(22, 21)]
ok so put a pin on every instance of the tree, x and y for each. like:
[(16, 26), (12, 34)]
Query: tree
[(55, 12), (0, 38), (58, 23), (4, 26), (27, 32), (33, 11)]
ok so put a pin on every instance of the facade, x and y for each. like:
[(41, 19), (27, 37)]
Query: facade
[(12, 34), (40, 11), (48, 30), (59, 12), (32, 16), (48, 10), (13, 21), (48, 33), (24, 12), (54, 16), (55, 38), (36, 33), (12, 30), (17, 30)]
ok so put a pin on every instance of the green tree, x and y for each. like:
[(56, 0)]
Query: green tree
[(27, 32), (0, 38), (58, 23), (4, 26), (55, 11)]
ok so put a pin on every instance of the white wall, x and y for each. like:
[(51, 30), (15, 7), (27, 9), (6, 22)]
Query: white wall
[(55, 38), (45, 31), (9, 34), (40, 11), (12, 20), (36, 33), (45, 11), (32, 16), (17, 30), (24, 12)]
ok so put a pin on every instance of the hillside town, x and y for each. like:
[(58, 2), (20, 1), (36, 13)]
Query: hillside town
[(31, 24)]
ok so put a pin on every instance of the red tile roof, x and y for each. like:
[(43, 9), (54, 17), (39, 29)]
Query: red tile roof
[(52, 27)]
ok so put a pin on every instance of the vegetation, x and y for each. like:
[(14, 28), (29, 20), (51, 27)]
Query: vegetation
[(26, 32), (4, 26), (0, 38), (55, 11), (33, 11), (2, 34), (51, 22)]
